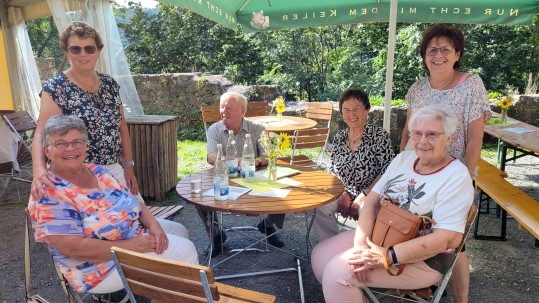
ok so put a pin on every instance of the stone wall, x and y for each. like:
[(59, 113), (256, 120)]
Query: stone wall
[(183, 94)]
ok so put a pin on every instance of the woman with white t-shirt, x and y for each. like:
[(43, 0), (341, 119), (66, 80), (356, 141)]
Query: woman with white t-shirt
[(426, 181)]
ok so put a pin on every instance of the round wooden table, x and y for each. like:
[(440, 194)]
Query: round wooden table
[(288, 124), (317, 189)]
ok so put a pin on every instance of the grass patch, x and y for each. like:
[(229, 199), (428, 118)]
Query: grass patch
[(191, 157)]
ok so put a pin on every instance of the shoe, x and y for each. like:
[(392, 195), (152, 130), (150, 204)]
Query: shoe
[(273, 240), (218, 240)]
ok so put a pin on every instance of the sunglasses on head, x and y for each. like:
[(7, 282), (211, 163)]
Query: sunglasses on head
[(75, 50)]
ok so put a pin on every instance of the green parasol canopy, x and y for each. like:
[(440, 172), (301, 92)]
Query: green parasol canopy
[(260, 15)]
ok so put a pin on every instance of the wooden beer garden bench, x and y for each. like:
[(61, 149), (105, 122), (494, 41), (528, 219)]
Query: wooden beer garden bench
[(524, 209), (164, 212)]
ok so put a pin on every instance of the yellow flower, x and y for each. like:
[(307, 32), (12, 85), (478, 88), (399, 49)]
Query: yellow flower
[(281, 107), (285, 142), (279, 104), (505, 103)]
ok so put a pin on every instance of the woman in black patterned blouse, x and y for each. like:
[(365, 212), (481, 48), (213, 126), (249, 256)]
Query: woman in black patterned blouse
[(360, 155), (95, 98)]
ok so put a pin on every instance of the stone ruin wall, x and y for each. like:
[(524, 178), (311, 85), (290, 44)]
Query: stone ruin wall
[(184, 93)]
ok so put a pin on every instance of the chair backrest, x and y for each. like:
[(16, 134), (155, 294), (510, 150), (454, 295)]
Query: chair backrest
[(23, 126), (257, 109), (210, 114), (164, 280), (21, 123), (320, 111), (308, 138)]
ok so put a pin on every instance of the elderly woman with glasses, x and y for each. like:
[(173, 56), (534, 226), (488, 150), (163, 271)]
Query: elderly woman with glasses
[(88, 211), (442, 50), (427, 181), (360, 154), (92, 96)]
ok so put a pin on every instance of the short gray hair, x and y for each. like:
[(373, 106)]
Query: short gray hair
[(444, 115), (61, 125), (236, 96)]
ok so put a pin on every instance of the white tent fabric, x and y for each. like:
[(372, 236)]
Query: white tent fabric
[(99, 14), (27, 85)]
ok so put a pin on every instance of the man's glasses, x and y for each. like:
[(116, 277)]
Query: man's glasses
[(75, 50), (431, 136), (445, 50), (62, 145)]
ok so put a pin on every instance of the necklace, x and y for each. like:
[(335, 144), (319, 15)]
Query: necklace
[(450, 79), (354, 140)]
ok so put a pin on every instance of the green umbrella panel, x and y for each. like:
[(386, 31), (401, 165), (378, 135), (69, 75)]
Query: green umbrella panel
[(263, 15)]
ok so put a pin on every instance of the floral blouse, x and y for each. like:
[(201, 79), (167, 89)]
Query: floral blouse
[(468, 100), (100, 111), (108, 212), (357, 170)]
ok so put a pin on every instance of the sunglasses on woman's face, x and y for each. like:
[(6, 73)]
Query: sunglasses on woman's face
[(75, 50)]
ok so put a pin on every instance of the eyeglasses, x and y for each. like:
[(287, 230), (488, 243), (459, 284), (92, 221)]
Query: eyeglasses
[(75, 50), (62, 145), (431, 136), (356, 111), (445, 50)]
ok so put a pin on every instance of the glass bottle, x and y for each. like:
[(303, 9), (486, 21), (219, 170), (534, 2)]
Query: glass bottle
[(220, 176), (248, 160), (231, 155)]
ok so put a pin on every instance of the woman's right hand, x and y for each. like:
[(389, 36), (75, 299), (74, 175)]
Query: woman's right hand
[(42, 178)]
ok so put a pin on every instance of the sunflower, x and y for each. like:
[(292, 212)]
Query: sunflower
[(279, 104), (505, 103), (285, 142), (281, 107)]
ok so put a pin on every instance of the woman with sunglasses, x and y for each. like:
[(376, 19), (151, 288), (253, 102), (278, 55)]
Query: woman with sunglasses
[(92, 96), (442, 49)]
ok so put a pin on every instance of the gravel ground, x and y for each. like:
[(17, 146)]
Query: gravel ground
[(502, 271)]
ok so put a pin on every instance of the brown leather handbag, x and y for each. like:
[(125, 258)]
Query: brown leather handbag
[(395, 225)]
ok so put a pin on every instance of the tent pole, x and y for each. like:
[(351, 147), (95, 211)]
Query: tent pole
[(390, 63)]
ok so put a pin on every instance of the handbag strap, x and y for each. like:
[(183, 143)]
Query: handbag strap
[(388, 268)]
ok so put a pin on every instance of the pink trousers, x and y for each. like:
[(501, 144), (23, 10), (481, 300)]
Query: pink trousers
[(331, 268)]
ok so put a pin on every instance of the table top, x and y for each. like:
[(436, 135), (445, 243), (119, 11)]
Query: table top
[(528, 140), (288, 124), (317, 188)]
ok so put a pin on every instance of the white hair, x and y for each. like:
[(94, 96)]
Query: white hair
[(236, 96), (447, 117)]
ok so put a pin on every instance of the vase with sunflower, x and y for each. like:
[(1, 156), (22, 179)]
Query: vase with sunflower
[(274, 145), (504, 105), (279, 105)]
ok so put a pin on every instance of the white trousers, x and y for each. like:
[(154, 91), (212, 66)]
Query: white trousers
[(325, 224), (180, 248)]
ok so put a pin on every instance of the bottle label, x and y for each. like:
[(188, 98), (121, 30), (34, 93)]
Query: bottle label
[(232, 166)]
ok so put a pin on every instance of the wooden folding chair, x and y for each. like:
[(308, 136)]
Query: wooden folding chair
[(257, 109), (172, 281), (210, 114), (308, 138), (425, 295), (24, 126), (320, 111)]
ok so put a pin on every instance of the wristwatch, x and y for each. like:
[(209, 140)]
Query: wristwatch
[(394, 260), (128, 163)]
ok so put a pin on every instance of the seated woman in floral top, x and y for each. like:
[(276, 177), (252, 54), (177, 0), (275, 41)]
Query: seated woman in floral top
[(360, 155), (89, 211)]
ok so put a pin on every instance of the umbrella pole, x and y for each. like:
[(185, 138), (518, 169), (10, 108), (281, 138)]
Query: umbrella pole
[(390, 63)]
